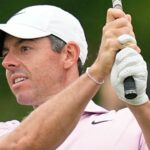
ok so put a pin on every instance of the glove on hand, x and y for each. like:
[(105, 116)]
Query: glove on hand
[(130, 63)]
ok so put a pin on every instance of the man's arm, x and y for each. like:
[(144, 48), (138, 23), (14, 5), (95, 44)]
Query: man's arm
[(140, 106), (48, 125), (142, 115)]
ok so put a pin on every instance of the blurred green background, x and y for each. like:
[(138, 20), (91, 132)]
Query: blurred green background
[(92, 17)]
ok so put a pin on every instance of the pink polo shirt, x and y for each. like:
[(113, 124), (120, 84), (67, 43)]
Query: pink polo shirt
[(99, 129)]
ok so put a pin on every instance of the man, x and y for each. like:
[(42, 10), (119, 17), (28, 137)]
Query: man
[(43, 47)]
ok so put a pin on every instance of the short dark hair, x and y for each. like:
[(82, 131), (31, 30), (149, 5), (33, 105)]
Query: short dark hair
[(2, 37), (57, 46)]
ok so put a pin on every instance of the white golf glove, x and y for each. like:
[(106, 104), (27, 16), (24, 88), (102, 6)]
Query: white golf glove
[(130, 63)]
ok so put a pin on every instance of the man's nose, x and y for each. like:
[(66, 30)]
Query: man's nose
[(10, 61)]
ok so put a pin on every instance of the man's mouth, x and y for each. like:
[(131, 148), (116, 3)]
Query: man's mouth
[(17, 80)]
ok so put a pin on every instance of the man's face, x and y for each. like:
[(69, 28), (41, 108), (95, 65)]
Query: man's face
[(34, 72)]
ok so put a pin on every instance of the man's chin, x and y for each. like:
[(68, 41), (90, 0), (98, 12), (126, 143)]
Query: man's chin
[(24, 100)]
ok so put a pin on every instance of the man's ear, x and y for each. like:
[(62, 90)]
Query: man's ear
[(71, 53)]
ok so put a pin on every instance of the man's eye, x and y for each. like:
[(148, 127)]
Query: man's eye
[(25, 48), (4, 53)]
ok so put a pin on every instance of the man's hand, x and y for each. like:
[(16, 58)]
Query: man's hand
[(117, 23), (130, 63)]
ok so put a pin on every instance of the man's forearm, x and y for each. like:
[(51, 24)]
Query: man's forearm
[(44, 128), (142, 115)]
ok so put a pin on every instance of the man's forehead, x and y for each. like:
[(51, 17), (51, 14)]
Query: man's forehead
[(15, 40)]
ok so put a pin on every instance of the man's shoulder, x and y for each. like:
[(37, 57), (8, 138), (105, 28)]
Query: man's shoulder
[(101, 115), (125, 112), (94, 108)]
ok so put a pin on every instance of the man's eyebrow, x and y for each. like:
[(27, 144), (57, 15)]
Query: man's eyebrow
[(20, 41)]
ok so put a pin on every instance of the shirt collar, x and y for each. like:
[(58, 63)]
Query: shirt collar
[(93, 108)]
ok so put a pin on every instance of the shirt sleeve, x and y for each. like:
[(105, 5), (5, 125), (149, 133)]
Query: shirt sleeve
[(6, 127)]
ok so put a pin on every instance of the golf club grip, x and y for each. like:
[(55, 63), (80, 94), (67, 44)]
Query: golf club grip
[(129, 83), (130, 88)]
